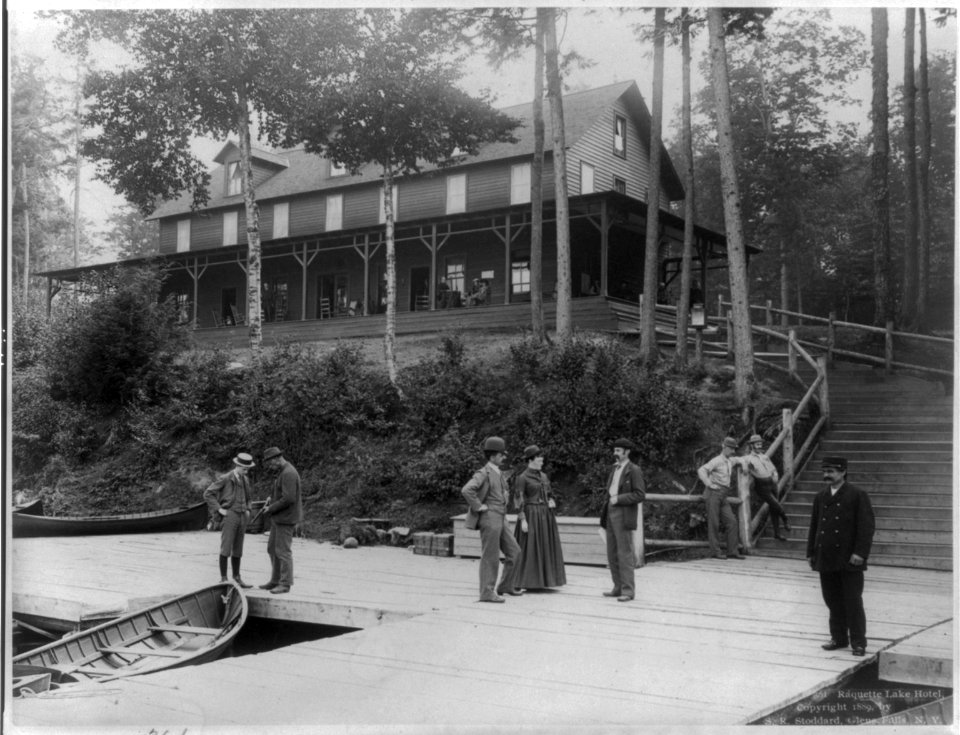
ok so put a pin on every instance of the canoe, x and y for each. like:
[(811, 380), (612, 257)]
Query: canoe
[(191, 629), (33, 508), (187, 518)]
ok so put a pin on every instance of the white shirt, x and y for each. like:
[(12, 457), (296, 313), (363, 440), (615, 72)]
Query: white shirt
[(615, 482)]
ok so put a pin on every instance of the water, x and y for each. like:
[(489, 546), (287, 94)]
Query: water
[(260, 635)]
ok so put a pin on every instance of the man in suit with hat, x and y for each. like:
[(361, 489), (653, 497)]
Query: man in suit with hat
[(228, 498), (486, 496), (626, 489), (838, 544), (716, 475), (285, 511)]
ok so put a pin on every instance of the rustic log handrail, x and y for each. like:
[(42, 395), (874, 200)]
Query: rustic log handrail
[(890, 334)]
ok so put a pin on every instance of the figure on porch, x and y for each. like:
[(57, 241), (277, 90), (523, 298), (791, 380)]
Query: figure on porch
[(478, 295), (486, 496), (228, 498), (838, 544), (626, 489), (541, 559)]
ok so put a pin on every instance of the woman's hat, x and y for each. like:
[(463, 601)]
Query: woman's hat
[(244, 460), (532, 451)]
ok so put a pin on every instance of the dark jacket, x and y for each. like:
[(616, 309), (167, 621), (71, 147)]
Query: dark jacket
[(286, 506), (230, 492), (630, 493), (840, 525)]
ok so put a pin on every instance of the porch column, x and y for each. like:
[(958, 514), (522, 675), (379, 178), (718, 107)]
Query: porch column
[(506, 264), (604, 248), (366, 274), (433, 266), (195, 272), (304, 262)]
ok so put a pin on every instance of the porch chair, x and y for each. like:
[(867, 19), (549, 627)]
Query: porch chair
[(423, 302), (217, 321), (238, 318), (324, 309)]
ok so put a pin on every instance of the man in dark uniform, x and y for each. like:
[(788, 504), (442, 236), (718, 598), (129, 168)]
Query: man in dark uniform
[(838, 544)]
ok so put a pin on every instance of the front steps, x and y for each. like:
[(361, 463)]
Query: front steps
[(896, 433)]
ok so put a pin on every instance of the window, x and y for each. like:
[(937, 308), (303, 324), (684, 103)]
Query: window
[(520, 275), (456, 275), (619, 185), (337, 169), (520, 183), (183, 235), (586, 178), (275, 299), (281, 219), (620, 136), (396, 210), (229, 228), (234, 179), (456, 193), (183, 308), (334, 212)]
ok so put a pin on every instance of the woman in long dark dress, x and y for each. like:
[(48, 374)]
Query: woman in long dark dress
[(541, 560)]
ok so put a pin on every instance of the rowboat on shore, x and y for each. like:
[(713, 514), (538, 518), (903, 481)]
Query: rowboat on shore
[(187, 518), (191, 629), (33, 508)]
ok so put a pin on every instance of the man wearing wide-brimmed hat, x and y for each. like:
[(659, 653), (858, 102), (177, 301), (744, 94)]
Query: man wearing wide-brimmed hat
[(228, 498), (838, 544), (716, 476), (625, 490), (284, 509)]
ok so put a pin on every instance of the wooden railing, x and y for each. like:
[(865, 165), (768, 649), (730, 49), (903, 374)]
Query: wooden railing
[(793, 458), (830, 346)]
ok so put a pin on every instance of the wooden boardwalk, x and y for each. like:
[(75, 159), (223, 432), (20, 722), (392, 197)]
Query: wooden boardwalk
[(706, 642)]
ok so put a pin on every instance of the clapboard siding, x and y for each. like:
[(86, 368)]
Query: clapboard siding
[(422, 196), (307, 214), (361, 206), (596, 148)]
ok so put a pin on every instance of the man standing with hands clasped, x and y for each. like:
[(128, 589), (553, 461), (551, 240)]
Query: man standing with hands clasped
[(626, 489), (838, 544), (285, 510)]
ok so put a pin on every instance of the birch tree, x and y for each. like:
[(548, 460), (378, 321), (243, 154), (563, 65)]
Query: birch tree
[(879, 169)]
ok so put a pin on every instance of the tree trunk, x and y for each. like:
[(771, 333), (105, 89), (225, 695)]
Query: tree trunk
[(784, 279), (736, 250), (536, 189), (923, 180), (908, 302), (26, 234), (252, 211), (879, 170), (690, 202), (78, 136), (390, 332), (651, 261), (555, 93)]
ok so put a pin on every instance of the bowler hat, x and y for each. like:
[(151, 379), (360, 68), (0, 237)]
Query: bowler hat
[(271, 453), (730, 442), (532, 451), (625, 444), (755, 439), (243, 460), (494, 444), (834, 463)]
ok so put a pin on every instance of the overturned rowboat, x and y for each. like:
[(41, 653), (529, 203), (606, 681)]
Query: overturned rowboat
[(191, 629)]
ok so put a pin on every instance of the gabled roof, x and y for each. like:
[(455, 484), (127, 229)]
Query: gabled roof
[(258, 154), (581, 110)]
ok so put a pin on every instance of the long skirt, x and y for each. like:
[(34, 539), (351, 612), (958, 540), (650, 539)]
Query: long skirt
[(541, 558)]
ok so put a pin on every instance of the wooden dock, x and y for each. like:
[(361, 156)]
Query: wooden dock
[(706, 642)]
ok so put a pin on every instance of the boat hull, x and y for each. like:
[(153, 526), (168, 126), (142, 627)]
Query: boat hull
[(192, 518), (191, 629)]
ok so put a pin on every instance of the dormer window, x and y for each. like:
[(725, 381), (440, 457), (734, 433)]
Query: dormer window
[(337, 169), (620, 136), (234, 179)]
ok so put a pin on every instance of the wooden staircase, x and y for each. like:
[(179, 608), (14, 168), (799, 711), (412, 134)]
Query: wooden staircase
[(897, 435)]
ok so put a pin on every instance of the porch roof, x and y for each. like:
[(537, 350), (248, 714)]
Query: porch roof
[(580, 206)]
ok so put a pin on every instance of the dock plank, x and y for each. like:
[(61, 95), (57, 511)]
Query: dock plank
[(706, 642)]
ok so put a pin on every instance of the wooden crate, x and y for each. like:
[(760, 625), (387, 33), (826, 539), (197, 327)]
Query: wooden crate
[(579, 537), (433, 544)]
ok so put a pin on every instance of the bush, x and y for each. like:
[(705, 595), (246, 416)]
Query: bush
[(119, 344)]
